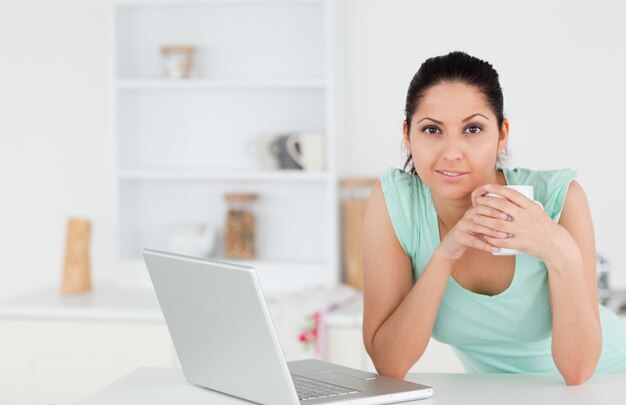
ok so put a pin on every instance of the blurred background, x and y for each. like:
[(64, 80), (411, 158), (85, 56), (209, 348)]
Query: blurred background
[(172, 124)]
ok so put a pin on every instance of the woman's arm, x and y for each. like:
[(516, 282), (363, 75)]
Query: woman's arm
[(576, 334), (568, 250), (398, 319)]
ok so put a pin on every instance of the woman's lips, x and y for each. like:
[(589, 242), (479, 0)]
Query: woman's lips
[(451, 175)]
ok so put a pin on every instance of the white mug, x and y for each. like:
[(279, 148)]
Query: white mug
[(265, 150), (527, 191), (193, 238), (308, 150)]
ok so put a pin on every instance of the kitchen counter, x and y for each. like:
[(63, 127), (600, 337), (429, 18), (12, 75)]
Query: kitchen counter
[(115, 330), (109, 302), (104, 302), (168, 386), (59, 348)]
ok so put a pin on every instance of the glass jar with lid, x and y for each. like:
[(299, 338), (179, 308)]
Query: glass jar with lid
[(178, 60), (240, 231)]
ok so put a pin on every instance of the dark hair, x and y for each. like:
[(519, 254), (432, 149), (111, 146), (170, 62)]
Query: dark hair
[(454, 67)]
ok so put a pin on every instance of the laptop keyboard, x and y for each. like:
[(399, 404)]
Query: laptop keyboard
[(309, 389)]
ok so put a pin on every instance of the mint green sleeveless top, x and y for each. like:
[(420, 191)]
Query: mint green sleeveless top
[(506, 333)]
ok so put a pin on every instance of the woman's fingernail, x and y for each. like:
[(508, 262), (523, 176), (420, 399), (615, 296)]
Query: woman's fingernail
[(495, 249), (503, 235)]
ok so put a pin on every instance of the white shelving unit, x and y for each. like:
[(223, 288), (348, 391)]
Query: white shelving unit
[(262, 66), (269, 176), (159, 84)]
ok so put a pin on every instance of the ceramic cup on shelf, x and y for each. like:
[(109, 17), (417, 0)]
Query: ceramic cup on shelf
[(178, 60), (285, 159), (192, 239), (265, 150), (308, 150)]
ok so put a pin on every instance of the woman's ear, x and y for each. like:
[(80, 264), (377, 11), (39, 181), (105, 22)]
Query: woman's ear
[(405, 135), (504, 136)]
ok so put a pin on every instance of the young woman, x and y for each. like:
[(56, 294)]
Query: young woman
[(430, 234)]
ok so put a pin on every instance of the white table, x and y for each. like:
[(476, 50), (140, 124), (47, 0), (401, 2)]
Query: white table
[(168, 386)]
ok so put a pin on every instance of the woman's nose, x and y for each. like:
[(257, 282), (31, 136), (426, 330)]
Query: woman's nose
[(452, 151)]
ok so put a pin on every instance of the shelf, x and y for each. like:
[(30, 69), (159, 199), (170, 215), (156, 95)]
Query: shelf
[(245, 176), (220, 84), (184, 3), (276, 277), (263, 266), (238, 43)]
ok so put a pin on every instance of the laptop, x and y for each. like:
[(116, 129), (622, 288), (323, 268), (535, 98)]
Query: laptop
[(225, 340)]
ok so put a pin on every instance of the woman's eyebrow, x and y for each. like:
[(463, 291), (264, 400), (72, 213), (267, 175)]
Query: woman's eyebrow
[(473, 115), (441, 122), (432, 119)]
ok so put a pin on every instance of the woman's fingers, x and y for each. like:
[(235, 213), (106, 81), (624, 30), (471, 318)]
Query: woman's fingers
[(500, 204), (499, 225), (473, 233), (489, 211), (476, 243), (478, 192), (503, 243), (513, 196), (484, 230), (469, 233)]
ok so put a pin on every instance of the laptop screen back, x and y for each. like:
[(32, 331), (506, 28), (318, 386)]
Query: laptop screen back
[(221, 327)]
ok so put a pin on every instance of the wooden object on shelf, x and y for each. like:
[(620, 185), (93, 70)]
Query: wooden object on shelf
[(357, 191), (76, 276)]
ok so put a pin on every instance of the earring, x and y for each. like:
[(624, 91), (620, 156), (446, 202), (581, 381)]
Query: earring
[(503, 159)]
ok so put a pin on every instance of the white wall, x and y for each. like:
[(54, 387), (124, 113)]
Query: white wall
[(54, 151), (561, 67)]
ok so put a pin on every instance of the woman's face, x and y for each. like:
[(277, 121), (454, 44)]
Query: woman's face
[(454, 140)]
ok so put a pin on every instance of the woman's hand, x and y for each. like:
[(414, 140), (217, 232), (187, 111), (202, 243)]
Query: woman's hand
[(471, 234), (529, 228)]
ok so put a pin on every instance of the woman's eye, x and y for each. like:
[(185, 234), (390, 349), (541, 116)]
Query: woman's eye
[(473, 129), (431, 130)]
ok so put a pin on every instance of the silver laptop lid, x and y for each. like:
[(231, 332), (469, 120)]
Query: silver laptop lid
[(221, 327)]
